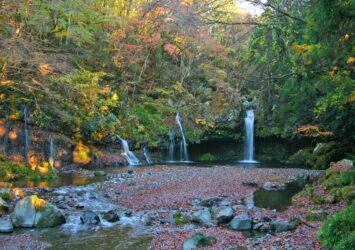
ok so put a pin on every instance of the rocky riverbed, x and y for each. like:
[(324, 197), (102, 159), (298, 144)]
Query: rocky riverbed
[(181, 207)]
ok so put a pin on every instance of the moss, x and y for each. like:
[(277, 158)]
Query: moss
[(338, 231), (315, 216), (180, 218), (348, 194), (207, 157)]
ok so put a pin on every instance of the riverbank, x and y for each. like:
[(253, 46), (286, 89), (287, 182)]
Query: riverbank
[(161, 203)]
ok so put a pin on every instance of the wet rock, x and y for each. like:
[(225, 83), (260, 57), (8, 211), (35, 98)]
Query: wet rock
[(6, 226), (223, 215), (211, 201), (89, 218), (257, 226), (111, 216), (202, 217), (196, 202), (265, 218), (273, 186), (128, 213), (99, 173), (79, 206), (281, 226), (163, 220), (199, 240), (241, 222), (32, 211)]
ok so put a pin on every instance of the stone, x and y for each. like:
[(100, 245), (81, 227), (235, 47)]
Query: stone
[(273, 186), (198, 240), (100, 173), (265, 218), (281, 226), (223, 215), (32, 211), (210, 202), (6, 226), (111, 216), (250, 184), (202, 217), (241, 222), (89, 218), (257, 226)]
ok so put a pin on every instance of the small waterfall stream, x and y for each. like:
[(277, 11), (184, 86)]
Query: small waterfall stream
[(27, 133), (127, 154), (171, 145), (51, 156), (183, 146), (147, 156), (249, 137)]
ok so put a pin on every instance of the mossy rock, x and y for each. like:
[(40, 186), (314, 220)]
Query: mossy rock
[(348, 194), (303, 157), (6, 194), (199, 240), (180, 218)]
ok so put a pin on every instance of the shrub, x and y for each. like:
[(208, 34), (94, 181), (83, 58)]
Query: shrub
[(338, 231)]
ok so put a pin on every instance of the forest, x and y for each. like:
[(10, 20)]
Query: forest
[(144, 106)]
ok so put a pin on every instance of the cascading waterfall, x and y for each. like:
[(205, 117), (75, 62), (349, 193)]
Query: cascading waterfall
[(249, 137), (171, 145), (147, 156), (27, 134), (51, 157), (183, 152), (127, 154)]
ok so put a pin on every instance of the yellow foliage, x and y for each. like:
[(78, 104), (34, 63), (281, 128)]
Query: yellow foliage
[(351, 60), (37, 203), (350, 98), (313, 131), (44, 69), (141, 128), (301, 48), (80, 154)]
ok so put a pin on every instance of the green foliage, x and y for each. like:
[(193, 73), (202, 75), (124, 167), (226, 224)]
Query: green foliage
[(338, 231), (180, 218), (207, 157)]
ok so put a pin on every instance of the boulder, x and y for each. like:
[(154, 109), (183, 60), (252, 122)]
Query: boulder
[(32, 211), (223, 215), (210, 202), (281, 226), (6, 226), (89, 218), (199, 240), (202, 217), (241, 222), (111, 216)]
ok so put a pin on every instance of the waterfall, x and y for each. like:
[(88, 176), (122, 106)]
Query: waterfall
[(171, 145), (147, 156), (27, 134), (183, 152), (127, 154), (249, 136), (51, 157)]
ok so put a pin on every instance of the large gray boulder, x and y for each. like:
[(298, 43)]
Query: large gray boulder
[(6, 226), (202, 217), (241, 222), (223, 215), (32, 211), (281, 226)]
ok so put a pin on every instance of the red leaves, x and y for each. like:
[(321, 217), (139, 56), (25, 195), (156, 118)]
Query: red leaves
[(172, 50)]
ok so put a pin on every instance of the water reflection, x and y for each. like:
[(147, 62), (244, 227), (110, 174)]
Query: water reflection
[(63, 179)]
